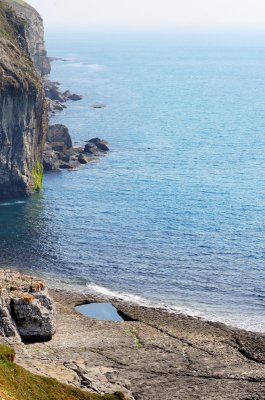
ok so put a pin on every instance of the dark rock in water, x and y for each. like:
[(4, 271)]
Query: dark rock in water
[(59, 134), (65, 165), (100, 144), (83, 159), (75, 97), (99, 105), (52, 91), (94, 140), (67, 93), (50, 161), (90, 148), (69, 96)]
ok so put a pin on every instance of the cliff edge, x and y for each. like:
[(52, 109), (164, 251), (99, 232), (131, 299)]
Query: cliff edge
[(23, 109)]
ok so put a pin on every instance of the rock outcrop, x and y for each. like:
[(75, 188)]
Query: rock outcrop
[(59, 152), (23, 111), (57, 99), (26, 309)]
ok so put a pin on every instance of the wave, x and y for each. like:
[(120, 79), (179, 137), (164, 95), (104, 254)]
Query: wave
[(91, 67), (11, 203)]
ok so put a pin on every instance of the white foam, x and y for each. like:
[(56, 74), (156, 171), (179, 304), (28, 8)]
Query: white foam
[(95, 67), (12, 203), (248, 323), (96, 289)]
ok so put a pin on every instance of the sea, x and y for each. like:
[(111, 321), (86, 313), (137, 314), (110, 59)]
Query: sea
[(174, 215)]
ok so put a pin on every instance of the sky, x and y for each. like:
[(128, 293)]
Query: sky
[(161, 14)]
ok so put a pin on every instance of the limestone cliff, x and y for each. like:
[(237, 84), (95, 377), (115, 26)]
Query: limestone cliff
[(34, 34), (23, 113)]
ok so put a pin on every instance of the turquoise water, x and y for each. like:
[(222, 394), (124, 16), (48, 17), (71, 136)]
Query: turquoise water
[(175, 214)]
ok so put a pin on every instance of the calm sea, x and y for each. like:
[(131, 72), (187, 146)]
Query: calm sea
[(175, 214)]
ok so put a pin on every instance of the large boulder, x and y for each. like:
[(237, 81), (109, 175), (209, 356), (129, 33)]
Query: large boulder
[(26, 310), (59, 134), (33, 315)]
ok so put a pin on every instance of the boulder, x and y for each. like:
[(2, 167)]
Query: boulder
[(26, 310), (83, 159), (75, 97), (52, 91), (72, 96), (50, 160), (100, 144), (34, 316), (90, 148), (60, 134)]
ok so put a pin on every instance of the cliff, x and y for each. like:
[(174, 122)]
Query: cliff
[(34, 34), (23, 111)]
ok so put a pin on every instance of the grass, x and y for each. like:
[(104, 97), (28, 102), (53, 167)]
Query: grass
[(137, 340), (16, 383), (37, 173)]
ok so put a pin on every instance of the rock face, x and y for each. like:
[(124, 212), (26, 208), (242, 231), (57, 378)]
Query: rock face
[(34, 35), (26, 309), (23, 114)]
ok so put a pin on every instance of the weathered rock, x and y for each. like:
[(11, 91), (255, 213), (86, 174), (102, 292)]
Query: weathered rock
[(90, 148), (26, 309), (34, 316), (53, 92), (75, 97), (23, 114), (59, 134), (51, 160), (83, 159), (99, 143)]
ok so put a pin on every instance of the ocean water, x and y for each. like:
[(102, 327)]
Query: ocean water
[(174, 215)]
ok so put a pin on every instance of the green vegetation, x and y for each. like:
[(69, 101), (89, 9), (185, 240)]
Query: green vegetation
[(18, 384), (137, 340), (37, 173)]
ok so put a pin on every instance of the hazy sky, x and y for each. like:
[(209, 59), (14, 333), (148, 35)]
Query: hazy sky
[(248, 14)]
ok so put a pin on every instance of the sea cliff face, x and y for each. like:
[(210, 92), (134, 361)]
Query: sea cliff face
[(23, 110)]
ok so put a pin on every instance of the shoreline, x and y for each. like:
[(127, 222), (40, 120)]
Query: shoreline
[(109, 295), (153, 354)]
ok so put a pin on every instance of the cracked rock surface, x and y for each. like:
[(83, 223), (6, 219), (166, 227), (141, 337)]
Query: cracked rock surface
[(152, 355)]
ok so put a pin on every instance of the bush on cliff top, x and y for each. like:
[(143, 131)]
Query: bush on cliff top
[(18, 384)]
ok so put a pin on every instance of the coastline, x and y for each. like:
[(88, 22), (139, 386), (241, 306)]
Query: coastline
[(153, 354)]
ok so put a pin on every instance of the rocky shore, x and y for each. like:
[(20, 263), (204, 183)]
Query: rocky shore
[(153, 354)]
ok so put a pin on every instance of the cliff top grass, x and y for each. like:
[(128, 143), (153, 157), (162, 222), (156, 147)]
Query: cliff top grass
[(18, 384)]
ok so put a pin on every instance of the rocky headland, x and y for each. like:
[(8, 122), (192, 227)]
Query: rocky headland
[(28, 99)]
